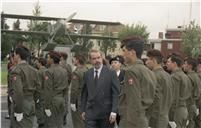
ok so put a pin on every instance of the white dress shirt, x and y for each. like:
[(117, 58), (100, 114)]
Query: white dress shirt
[(99, 71)]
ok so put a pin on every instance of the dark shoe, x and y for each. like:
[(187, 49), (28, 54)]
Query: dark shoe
[(41, 125), (7, 117)]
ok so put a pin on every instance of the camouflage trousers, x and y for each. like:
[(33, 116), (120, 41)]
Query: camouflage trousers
[(28, 114), (57, 109)]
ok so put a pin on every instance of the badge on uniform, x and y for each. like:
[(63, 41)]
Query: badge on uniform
[(14, 78), (130, 81), (46, 77)]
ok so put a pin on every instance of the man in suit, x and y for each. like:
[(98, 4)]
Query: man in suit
[(100, 92)]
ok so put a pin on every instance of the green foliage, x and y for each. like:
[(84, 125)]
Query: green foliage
[(16, 25), (134, 30), (84, 44), (9, 41), (107, 44), (3, 73), (6, 45), (191, 40), (35, 41)]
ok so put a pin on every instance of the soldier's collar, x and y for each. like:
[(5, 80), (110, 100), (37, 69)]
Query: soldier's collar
[(22, 62), (54, 65), (158, 69), (190, 72), (176, 70)]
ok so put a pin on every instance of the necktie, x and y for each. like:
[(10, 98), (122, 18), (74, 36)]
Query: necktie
[(96, 78)]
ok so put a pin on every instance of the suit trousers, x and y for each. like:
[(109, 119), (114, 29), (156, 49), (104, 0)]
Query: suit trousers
[(98, 123)]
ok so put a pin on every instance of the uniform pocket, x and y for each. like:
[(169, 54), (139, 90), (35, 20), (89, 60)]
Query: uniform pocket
[(28, 107)]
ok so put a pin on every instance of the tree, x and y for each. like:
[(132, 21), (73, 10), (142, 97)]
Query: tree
[(84, 44), (134, 30), (5, 39), (10, 41), (35, 41), (191, 40), (107, 44)]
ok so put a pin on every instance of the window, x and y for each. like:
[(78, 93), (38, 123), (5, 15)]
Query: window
[(169, 46)]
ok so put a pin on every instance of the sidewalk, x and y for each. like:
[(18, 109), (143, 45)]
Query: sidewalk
[(3, 90)]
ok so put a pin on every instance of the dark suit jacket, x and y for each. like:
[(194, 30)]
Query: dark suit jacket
[(98, 102)]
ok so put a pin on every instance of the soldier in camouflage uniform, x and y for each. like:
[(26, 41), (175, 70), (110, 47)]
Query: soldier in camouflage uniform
[(190, 68), (67, 67), (40, 114), (181, 88), (76, 87), (138, 91), (163, 98), (198, 102), (10, 67), (24, 80), (55, 91)]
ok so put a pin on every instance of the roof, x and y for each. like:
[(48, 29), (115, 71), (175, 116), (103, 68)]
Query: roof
[(29, 17)]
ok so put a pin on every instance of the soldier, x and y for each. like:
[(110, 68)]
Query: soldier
[(181, 88), (198, 102), (40, 64), (138, 91), (163, 99), (10, 67), (24, 80), (76, 87), (68, 68), (116, 64), (55, 90), (190, 68), (65, 65)]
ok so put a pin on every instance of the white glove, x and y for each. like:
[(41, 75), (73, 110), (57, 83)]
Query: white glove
[(172, 124), (73, 107), (37, 101), (197, 112), (19, 116), (48, 112), (10, 98)]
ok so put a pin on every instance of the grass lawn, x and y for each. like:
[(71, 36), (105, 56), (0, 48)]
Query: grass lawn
[(3, 73)]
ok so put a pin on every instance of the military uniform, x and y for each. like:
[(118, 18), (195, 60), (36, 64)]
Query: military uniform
[(162, 101), (9, 89), (136, 95), (68, 68), (55, 90), (40, 115), (181, 89), (76, 87), (195, 93), (198, 103), (24, 80)]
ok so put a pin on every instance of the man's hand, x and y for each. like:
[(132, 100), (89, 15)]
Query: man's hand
[(83, 116), (112, 118), (19, 116), (48, 112), (73, 107)]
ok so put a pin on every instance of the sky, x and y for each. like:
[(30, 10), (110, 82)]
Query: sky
[(156, 15)]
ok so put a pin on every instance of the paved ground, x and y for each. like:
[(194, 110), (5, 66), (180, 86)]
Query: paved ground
[(5, 123)]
